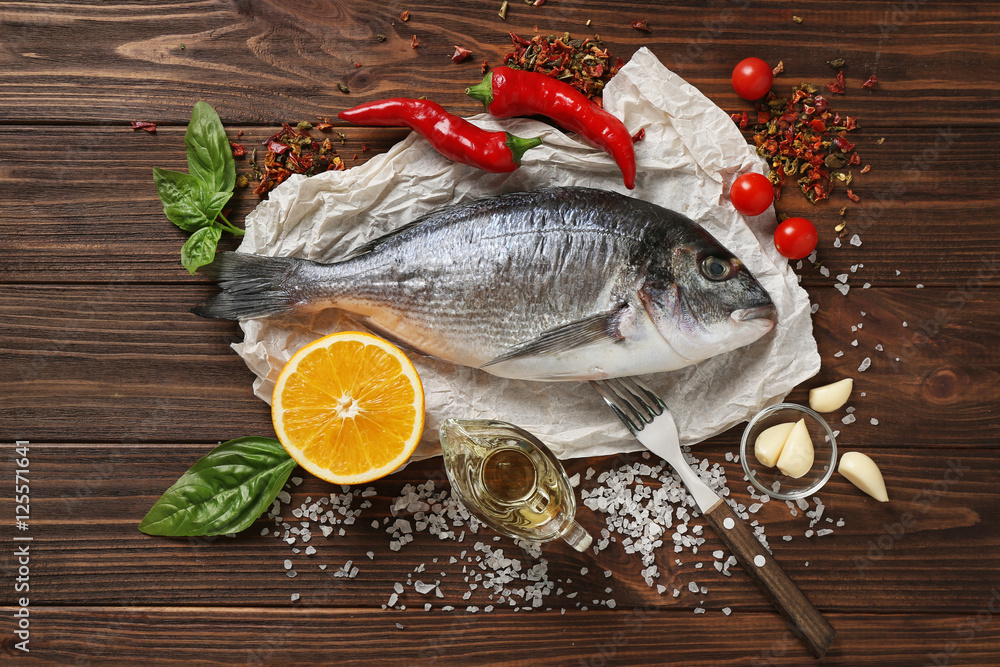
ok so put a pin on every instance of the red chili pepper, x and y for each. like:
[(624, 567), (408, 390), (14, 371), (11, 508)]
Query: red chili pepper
[(507, 92), (454, 137)]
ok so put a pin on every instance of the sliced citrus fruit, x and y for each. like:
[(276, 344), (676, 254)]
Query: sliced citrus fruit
[(349, 407)]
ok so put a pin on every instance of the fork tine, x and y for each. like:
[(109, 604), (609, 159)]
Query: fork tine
[(621, 408), (640, 388), (633, 395)]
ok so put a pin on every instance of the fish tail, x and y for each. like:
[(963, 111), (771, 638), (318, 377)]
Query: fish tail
[(252, 286)]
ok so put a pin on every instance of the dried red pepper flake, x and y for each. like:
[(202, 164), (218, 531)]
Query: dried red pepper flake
[(405, 16), (641, 25), (143, 125), (639, 136), (839, 86), (413, 42), (538, 3), (584, 64), (866, 169), (853, 197), (239, 150), (460, 54), (486, 66), (744, 120), (779, 68), (292, 150), (870, 83), (323, 124), (364, 148)]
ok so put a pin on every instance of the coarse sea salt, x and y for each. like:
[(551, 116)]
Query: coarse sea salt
[(865, 364), (856, 240)]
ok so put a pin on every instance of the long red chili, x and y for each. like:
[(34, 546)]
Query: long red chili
[(509, 92), (454, 137)]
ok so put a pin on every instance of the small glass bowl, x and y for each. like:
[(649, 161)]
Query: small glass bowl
[(789, 488)]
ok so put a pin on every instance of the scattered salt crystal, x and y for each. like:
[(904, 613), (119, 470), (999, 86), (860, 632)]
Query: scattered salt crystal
[(296, 480), (574, 481), (400, 626), (866, 286), (607, 573), (291, 574), (854, 342), (288, 564), (590, 473), (814, 308), (865, 364), (836, 242), (718, 553), (809, 533), (676, 592), (897, 272), (843, 277), (727, 611), (693, 587), (848, 419), (398, 587), (823, 532), (919, 286), (392, 599), (825, 272), (699, 610), (905, 324), (855, 240), (854, 268), (660, 588), (787, 538), (839, 354), (322, 566), (371, 555), (310, 550), (874, 422), (843, 289), (850, 409), (583, 571)]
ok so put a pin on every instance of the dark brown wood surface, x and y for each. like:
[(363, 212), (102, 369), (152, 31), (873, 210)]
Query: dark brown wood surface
[(119, 389)]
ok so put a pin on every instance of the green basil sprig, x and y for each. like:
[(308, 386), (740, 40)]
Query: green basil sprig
[(224, 492), (194, 201)]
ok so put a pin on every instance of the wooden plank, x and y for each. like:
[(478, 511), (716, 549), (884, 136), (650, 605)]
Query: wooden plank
[(263, 62), (87, 501), (84, 195), (85, 363), (156, 635)]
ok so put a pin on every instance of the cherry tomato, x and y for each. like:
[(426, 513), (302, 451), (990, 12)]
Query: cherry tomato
[(752, 78), (752, 193), (795, 238)]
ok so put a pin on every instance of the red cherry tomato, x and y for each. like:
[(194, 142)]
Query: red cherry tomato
[(795, 238), (752, 78), (752, 193)]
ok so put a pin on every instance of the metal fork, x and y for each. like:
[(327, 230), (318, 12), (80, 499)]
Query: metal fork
[(650, 421)]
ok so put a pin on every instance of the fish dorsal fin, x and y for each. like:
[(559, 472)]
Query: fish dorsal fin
[(589, 330), (369, 246)]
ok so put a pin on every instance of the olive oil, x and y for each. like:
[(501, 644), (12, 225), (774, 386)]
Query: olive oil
[(511, 481)]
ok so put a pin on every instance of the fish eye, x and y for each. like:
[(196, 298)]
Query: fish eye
[(715, 269)]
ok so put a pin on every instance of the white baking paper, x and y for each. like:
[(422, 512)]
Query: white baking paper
[(690, 156)]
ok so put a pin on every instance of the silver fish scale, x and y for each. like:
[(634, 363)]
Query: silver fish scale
[(493, 277)]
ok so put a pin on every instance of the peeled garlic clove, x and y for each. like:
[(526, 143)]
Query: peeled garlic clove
[(768, 446), (832, 396), (797, 454), (862, 472)]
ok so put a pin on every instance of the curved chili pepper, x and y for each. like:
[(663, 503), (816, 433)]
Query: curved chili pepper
[(507, 92), (453, 137)]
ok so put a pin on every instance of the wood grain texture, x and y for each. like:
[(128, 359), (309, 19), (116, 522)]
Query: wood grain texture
[(86, 362), (154, 636), (87, 501), (262, 61)]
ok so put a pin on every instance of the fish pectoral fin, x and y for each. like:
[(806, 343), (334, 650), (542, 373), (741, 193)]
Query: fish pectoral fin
[(590, 330)]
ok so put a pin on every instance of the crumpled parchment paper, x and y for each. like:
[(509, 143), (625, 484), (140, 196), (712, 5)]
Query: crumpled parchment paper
[(690, 156)]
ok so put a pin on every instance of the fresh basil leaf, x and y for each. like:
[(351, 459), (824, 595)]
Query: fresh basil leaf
[(210, 157), (224, 492), (199, 249), (185, 201)]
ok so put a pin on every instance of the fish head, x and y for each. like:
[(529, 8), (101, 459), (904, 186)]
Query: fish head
[(703, 300)]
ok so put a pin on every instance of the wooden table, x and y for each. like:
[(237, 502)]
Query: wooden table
[(119, 389)]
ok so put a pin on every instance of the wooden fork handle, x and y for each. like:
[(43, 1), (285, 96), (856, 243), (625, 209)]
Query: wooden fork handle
[(804, 619)]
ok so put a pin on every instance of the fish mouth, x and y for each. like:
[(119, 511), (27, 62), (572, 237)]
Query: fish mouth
[(768, 312)]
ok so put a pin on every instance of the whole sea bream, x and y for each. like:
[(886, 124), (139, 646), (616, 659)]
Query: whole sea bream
[(553, 284)]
